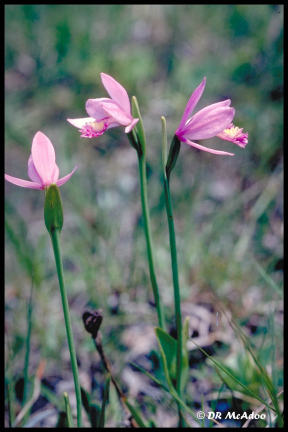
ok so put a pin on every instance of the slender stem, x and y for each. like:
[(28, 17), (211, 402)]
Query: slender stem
[(148, 235), (9, 406), (29, 325), (168, 165), (55, 237), (175, 283), (10, 383)]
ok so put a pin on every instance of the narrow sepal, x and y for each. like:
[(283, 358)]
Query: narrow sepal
[(173, 155), (139, 128)]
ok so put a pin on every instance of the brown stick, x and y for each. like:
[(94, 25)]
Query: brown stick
[(92, 322)]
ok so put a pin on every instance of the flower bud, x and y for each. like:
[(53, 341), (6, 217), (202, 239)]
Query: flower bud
[(53, 210)]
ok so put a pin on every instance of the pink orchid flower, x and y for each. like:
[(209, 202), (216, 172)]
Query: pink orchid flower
[(106, 113), (42, 168), (213, 120)]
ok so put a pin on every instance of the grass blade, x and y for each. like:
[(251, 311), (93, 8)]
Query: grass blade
[(135, 414), (231, 376)]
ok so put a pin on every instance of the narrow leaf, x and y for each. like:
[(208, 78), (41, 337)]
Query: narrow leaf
[(231, 376), (68, 410), (185, 356), (169, 345), (172, 390), (150, 376), (135, 414)]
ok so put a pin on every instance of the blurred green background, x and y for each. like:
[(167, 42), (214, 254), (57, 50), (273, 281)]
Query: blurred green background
[(228, 210)]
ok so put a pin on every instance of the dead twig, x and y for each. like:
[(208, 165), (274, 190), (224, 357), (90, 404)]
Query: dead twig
[(92, 322)]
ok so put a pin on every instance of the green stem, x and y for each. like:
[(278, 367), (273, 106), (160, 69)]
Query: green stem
[(168, 165), (175, 284), (29, 325), (55, 237), (148, 235), (177, 301)]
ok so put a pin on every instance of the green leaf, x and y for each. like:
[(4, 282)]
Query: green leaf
[(231, 376), (169, 346), (172, 390), (150, 376), (266, 378), (202, 409), (135, 414), (185, 357), (68, 410), (92, 409)]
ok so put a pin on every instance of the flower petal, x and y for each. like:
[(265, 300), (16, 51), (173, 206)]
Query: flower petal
[(43, 155), (206, 110), (116, 92), (131, 126), (208, 122), (80, 122), (55, 175), (112, 125), (23, 183), (194, 98), (95, 110), (63, 180), (207, 149), (32, 172), (113, 109)]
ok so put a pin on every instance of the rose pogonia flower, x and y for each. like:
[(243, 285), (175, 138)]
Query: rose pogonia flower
[(213, 120), (42, 168), (106, 113)]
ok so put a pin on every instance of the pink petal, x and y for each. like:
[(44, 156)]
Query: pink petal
[(23, 183), (131, 126), (112, 124), (205, 111), (32, 172), (207, 149), (194, 98), (80, 122), (63, 180), (95, 110), (55, 175), (117, 113), (208, 122), (116, 92), (43, 155)]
